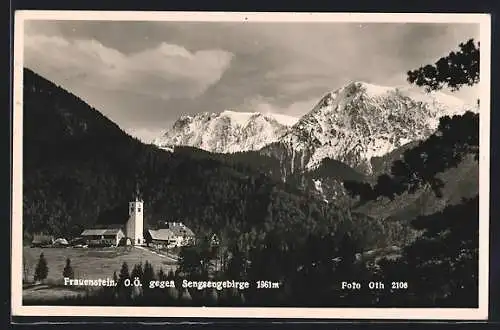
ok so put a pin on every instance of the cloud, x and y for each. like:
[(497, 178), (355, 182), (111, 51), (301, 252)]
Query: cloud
[(265, 105), (127, 71), (166, 71)]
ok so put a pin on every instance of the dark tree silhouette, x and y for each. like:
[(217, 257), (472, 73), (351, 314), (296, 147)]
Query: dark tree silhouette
[(137, 272), (41, 270), (190, 260), (457, 69), (124, 273), (147, 276), (441, 266), (68, 270)]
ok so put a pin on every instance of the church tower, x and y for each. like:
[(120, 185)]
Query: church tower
[(135, 223)]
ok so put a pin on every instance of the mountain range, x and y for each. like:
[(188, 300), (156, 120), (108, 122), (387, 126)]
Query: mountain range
[(354, 124), (226, 132)]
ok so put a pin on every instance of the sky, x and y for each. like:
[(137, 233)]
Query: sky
[(145, 75)]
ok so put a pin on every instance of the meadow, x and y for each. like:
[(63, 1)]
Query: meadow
[(91, 263)]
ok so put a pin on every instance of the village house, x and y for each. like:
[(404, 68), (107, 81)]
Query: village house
[(183, 235), (40, 240), (160, 238), (172, 234), (103, 237)]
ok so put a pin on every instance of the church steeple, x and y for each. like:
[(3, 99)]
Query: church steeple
[(135, 223)]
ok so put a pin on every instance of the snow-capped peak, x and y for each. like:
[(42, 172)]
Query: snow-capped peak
[(351, 124), (228, 131), (242, 118), (283, 119), (370, 89), (361, 120)]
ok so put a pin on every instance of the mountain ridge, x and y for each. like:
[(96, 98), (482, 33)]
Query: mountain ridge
[(360, 121), (354, 124), (226, 132)]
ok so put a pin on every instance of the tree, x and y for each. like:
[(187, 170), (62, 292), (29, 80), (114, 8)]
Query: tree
[(124, 291), (68, 270), (458, 69), (137, 272), (190, 260), (148, 275), (442, 264), (237, 263), (161, 275), (41, 270), (124, 273)]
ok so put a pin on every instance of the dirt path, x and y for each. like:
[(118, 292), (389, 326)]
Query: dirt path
[(156, 253)]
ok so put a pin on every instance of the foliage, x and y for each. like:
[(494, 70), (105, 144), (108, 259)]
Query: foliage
[(41, 270), (68, 270), (124, 273), (441, 266), (455, 70)]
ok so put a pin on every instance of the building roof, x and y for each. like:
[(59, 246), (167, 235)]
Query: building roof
[(96, 232), (164, 234), (179, 229)]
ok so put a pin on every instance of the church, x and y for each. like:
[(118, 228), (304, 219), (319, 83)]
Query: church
[(132, 233)]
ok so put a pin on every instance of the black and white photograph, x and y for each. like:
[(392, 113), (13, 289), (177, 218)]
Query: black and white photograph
[(251, 164)]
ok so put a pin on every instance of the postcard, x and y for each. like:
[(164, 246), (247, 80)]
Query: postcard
[(251, 165)]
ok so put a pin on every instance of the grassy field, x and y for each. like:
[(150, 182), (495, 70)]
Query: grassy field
[(91, 263)]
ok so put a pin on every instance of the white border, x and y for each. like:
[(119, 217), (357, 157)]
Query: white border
[(480, 313)]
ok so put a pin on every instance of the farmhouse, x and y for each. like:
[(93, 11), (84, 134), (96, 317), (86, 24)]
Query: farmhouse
[(132, 232), (40, 240), (161, 237), (183, 235), (103, 237), (173, 234)]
